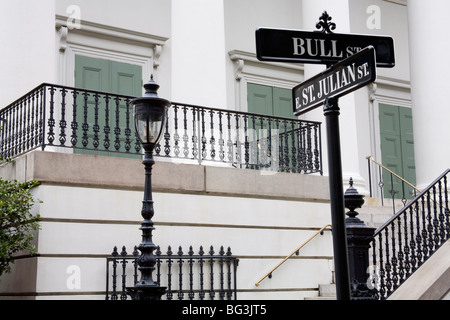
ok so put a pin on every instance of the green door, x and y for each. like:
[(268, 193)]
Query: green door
[(407, 143), (273, 101), (270, 101), (282, 103), (106, 76), (397, 148)]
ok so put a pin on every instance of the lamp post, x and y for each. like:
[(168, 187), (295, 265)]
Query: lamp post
[(150, 117)]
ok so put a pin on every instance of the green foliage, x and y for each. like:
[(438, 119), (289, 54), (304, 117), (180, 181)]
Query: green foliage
[(16, 221)]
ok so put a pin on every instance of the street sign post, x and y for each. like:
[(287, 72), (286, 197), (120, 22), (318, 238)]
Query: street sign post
[(340, 79), (352, 61), (314, 47), (331, 112)]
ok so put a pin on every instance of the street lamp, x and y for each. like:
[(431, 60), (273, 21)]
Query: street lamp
[(150, 117)]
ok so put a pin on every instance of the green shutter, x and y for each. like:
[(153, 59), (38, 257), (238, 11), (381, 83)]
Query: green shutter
[(282, 103), (126, 78), (260, 99), (91, 73), (407, 142), (397, 147), (108, 76), (270, 101)]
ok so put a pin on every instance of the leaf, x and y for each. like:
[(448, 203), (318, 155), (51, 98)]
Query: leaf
[(16, 221)]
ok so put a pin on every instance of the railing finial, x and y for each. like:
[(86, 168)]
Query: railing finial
[(353, 200)]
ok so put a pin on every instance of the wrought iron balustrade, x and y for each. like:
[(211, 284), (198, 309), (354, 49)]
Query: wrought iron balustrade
[(410, 237), (86, 121), (201, 276)]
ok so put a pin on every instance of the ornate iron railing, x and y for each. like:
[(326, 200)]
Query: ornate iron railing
[(410, 237), (201, 276), (86, 121)]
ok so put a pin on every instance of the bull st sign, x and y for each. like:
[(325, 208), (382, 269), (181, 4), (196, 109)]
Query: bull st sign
[(344, 77), (315, 47)]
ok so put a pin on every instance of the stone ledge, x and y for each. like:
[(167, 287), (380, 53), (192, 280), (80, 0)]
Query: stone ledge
[(239, 182), (121, 173)]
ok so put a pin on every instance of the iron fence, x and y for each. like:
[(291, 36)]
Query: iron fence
[(86, 121), (410, 237), (205, 275)]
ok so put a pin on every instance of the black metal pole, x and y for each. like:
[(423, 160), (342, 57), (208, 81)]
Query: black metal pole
[(331, 112), (146, 288)]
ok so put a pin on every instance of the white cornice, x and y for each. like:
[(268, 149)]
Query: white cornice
[(277, 74), (391, 91), (248, 69), (251, 57), (393, 82), (112, 32), (401, 2)]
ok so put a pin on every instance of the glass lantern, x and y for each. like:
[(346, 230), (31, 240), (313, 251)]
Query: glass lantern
[(150, 115)]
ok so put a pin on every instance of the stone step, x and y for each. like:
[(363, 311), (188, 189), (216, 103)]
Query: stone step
[(320, 298), (326, 292)]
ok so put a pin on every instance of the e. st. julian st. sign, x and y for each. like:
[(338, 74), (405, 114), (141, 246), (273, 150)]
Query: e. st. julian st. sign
[(343, 77)]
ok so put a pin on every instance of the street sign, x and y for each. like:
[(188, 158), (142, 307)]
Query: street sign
[(352, 64), (317, 47), (344, 77)]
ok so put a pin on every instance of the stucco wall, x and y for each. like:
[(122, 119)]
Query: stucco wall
[(92, 203)]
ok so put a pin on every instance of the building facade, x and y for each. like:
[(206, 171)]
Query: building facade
[(203, 53)]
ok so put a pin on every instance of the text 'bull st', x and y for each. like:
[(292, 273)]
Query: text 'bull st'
[(321, 48)]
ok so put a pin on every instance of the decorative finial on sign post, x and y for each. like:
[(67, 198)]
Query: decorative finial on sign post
[(325, 24)]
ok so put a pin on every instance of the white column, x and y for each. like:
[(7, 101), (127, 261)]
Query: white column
[(339, 10), (430, 87), (198, 52), (28, 54)]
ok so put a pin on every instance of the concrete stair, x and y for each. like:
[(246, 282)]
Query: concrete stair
[(326, 292), (430, 282)]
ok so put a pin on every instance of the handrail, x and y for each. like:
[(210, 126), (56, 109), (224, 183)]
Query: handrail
[(418, 197), (404, 242), (290, 255), (390, 171), (410, 184)]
